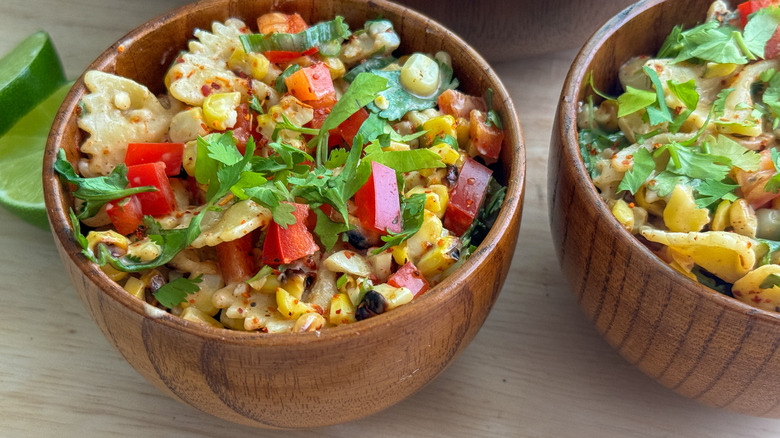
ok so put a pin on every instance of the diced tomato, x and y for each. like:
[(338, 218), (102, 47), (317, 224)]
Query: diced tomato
[(772, 48), (169, 153), (484, 140), (281, 22), (126, 214), (235, 259), (459, 105), (378, 205), (283, 246), (154, 203), (311, 83), (467, 196), (749, 7), (350, 127), (409, 276), (322, 109), (245, 127)]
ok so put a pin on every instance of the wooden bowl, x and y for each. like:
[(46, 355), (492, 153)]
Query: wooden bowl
[(298, 380), (502, 30), (701, 344)]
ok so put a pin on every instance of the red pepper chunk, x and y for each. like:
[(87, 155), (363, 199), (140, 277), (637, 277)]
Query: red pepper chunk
[(467, 196), (285, 245), (125, 214), (283, 57), (409, 276), (749, 7), (311, 83), (169, 153), (350, 127), (235, 259), (485, 140), (162, 201), (378, 205)]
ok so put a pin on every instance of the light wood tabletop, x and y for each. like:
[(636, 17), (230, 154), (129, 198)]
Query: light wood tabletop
[(536, 369)]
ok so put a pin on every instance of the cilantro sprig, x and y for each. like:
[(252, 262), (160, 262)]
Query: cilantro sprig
[(171, 294), (325, 36)]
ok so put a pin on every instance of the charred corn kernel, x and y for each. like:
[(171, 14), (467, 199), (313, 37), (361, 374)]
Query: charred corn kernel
[(110, 238), (113, 273), (382, 103), (310, 322), (336, 67), (195, 315), (462, 130), (342, 311), (743, 218), (720, 220), (439, 127), (252, 64), (420, 75), (291, 307), (395, 296), (231, 323), (135, 287), (623, 214), (425, 238), (295, 285), (145, 250), (717, 70), (417, 118), (440, 257), (436, 198), (447, 153), (681, 213), (400, 254), (219, 110)]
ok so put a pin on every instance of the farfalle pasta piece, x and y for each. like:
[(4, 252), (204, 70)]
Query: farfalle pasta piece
[(235, 222), (681, 213), (118, 111), (738, 116), (729, 256), (748, 289), (202, 70)]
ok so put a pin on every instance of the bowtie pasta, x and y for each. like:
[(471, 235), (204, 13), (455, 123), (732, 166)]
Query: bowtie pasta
[(289, 180)]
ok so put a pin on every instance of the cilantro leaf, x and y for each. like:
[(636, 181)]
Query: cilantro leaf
[(719, 105), (328, 230), (758, 30), (739, 156), (642, 167), (279, 84), (661, 113), (771, 247), (319, 35), (175, 292), (634, 100), (408, 160), (401, 101), (97, 191), (413, 216), (773, 185), (771, 96), (665, 182), (368, 65), (711, 191)]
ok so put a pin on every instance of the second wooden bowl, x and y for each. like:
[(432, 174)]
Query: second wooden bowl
[(298, 380), (702, 344)]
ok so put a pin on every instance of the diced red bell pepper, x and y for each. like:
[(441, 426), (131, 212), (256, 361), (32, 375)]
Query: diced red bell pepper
[(283, 57), (235, 259), (467, 196), (350, 127), (169, 153), (459, 105), (154, 203), (285, 245), (245, 127), (410, 277), (484, 140), (378, 205), (772, 48), (126, 214), (749, 7), (311, 83)]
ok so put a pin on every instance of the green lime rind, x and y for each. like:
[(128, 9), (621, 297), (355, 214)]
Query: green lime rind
[(29, 73), (21, 160)]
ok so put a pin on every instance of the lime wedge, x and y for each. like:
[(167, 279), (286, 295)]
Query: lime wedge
[(21, 160), (28, 74)]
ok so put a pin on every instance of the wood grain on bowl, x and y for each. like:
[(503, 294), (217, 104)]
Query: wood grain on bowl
[(701, 344), (293, 380)]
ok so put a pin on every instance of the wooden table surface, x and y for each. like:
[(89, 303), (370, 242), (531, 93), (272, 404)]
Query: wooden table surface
[(536, 369)]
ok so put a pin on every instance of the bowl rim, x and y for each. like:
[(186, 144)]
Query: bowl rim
[(63, 231), (573, 85)]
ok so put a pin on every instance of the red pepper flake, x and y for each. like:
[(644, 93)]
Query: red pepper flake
[(348, 254), (120, 49), (240, 310), (338, 311), (215, 86), (631, 205), (205, 90)]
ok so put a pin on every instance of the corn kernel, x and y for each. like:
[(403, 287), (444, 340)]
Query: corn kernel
[(135, 287), (440, 126), (436, 198), (195, 315), (400, 254), (420, 75), (335, 66), (342, 311), (219, 110), (291, 307), (623, 214), (447, 153), (440, 257), (113, 273)]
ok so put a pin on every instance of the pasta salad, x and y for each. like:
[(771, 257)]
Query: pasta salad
[(686, 156), (291, 179)]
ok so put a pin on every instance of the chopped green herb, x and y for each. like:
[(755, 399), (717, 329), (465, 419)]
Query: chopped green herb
[(175, 292)]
